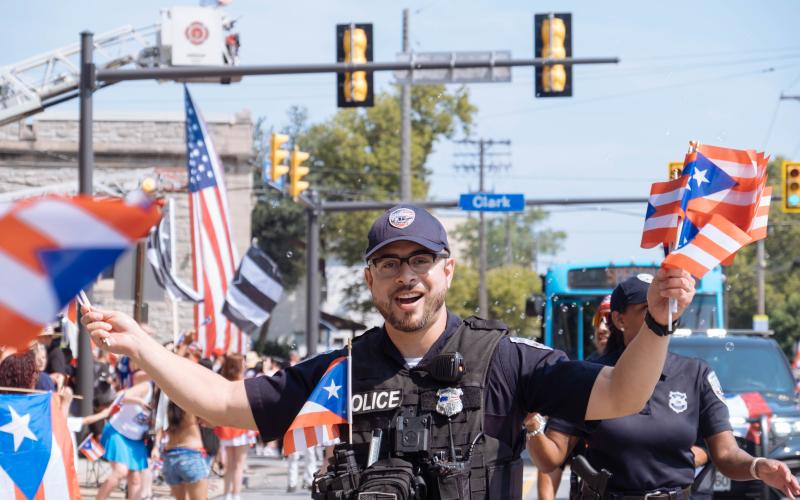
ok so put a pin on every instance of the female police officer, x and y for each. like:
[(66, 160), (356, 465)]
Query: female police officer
[(650, 454), (408, 271)]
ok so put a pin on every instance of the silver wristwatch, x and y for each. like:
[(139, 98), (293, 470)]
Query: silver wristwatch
[(541, 423)]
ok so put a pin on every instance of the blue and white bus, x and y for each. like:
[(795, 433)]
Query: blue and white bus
[(572, 293)]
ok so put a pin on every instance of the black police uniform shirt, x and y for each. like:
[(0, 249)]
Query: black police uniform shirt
[(524, 376), (652, 449)]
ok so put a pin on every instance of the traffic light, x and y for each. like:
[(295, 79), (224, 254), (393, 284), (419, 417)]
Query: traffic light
[(296, 172), (354, 45), (277, 155), (790, 175), (553, 40), (674, 170)]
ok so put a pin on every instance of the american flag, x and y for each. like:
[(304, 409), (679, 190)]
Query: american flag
[(91, 449), (327, 407), (36, 454), (213, 254)]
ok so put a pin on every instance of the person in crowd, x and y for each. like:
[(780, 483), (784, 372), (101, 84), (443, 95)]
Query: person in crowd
[(235, 441), (43, 381), (408, 270), (19, 370), (309, 457), (124, 438), (600, 322), (185, 466), (651, 454)]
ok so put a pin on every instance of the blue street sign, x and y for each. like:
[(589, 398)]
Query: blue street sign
[(491, 202)]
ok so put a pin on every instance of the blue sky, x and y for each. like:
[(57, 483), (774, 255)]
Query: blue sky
[(711, 71)]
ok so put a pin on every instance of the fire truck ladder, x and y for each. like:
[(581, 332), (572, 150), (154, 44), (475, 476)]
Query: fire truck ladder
[(32, 85)]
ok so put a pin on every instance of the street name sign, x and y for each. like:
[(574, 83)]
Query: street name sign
[(492, 202)]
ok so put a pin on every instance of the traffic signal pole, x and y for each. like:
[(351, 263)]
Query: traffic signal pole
[(312, 280), (405, 123), (85, 172)]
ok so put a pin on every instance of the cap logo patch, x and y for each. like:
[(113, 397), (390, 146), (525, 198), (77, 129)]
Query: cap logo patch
[(647, 278), (402, 218)]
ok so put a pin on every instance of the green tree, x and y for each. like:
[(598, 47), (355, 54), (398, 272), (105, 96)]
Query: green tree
[(519, 230), (782, 275), (508, 286)]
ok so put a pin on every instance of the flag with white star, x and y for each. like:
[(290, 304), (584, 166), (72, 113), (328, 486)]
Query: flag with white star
[(326, 408), (720, 203), (36, 454)]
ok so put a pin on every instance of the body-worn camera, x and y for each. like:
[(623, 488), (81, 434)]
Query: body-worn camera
[(412, 434)]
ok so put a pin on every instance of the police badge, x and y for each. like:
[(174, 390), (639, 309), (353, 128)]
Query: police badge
[(449, 402)]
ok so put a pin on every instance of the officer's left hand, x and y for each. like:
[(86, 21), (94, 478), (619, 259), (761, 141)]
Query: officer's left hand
[(777, 475), (669, 283)]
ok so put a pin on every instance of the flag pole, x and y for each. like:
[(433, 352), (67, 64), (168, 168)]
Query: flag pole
[(350, 390), (673, 303)]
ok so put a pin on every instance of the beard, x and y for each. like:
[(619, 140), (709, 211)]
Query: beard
[(404, 321)]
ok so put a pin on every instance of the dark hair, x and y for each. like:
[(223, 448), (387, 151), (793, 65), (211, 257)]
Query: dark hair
[(616, 339), (232, 367), (174, 415), (19, 370)]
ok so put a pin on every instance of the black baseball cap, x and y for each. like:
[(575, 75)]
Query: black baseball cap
[(407, 222), (631, 291)]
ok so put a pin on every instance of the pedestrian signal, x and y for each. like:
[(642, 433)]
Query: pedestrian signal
[(296, 172), (553, 40), (277, 155), (354, 46), (790, 175)]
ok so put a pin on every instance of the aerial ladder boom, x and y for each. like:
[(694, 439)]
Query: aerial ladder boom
[(185, 36)]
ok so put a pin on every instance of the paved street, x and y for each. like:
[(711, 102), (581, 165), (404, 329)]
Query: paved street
[(266, 479)]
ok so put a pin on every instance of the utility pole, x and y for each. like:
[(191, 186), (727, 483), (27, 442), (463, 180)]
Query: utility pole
[(405, 124), (85, 172), (483, 151), (312, 273)]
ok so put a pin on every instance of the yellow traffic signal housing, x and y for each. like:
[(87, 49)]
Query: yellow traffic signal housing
[(553, 40), (277, 155), (296, 172), (674, 170), (790, 177), (354, 46)]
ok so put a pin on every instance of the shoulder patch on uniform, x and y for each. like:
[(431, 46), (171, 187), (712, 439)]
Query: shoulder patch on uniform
[(530, 342), (713, 381)]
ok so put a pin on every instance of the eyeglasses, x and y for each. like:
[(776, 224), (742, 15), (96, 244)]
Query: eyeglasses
[(420, 263)]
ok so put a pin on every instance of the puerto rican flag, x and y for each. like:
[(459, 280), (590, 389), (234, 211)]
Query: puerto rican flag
[(213, 254), (663, 212), (52, 247), (714, 243), (36, 454), (747, 406), (319, 419), (91, 449)]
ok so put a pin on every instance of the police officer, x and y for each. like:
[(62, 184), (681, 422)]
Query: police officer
[(397, 381), (651, 454)]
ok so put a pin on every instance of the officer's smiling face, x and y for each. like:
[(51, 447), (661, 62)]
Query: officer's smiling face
[(630, 321), (409, 301)]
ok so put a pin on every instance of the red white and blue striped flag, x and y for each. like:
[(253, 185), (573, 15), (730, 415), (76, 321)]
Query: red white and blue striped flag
[(52, 247), (327, 408), (36, 455), (91, 449), (718, 205), (213, 254)]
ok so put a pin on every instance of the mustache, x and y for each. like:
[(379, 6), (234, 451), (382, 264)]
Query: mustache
[(405, 288)]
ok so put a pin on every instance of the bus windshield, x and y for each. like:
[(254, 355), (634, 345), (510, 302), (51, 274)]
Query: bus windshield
[(573, 333)]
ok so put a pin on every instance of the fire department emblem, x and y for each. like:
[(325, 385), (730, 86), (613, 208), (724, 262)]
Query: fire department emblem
[(677, 401), (449, 402), (402, 218), (196, 33)]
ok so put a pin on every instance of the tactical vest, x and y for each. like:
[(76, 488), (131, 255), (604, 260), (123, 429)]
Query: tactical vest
[(382, 390)]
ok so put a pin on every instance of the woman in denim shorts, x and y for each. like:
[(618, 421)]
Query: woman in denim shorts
[(185, 467)]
